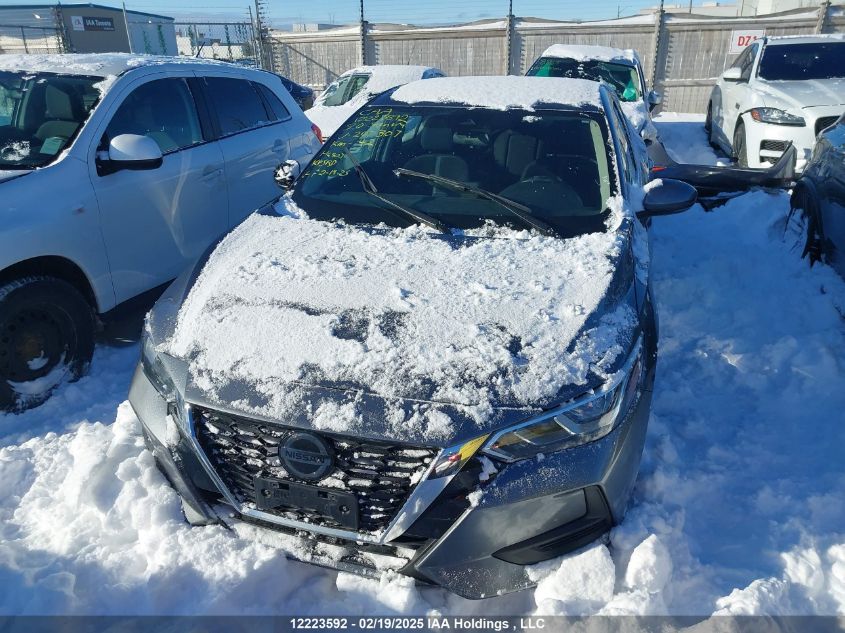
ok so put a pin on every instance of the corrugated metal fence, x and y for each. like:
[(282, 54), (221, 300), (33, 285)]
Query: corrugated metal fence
[(682, 54)]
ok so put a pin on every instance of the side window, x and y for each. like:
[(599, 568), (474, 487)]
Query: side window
[(279, 110), (237, 104), (356, 85), (749, 61), (739, 62), (162, 109)]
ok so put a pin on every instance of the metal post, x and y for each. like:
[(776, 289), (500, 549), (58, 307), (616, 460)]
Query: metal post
[(363, 34), (23, 37), (256, 47), (823, 11), (128, 32), (658, 30), (509, 42)]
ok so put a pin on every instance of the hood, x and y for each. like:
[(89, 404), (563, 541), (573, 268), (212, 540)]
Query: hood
[(399, 333), (805, 93), (9, 174)]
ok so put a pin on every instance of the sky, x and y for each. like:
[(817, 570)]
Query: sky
[(284, 12)]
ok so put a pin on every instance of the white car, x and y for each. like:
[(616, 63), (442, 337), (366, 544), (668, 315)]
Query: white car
[(779, 89), (620, 68), (355, 87), (116, 172)]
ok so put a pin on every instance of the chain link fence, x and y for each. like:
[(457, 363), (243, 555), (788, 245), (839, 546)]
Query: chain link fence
[(29, 40), (230, 41)]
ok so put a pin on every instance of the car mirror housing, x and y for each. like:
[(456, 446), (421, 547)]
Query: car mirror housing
[(654, 99), (732, 74), (666, 197), (286, 174), (133, 151)]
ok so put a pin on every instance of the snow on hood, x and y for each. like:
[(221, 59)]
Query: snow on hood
[(803, 93), (501, 93), (8, 174), (583, 53), (402, 314)]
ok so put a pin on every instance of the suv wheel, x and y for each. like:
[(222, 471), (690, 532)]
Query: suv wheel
[(46, 338), (740, 148)]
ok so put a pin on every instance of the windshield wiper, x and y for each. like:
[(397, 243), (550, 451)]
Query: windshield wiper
[(370, 188), (517, 209)]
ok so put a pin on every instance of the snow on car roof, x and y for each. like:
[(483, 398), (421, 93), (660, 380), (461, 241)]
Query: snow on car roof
[(94, 64), (584, 52), (501, 93), (387, 76), (774, 40)]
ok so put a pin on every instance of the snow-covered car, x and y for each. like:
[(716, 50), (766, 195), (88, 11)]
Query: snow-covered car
[(818, 199), (620, 68), (116, 172), (779, 90), (435, 354), (355, 87)]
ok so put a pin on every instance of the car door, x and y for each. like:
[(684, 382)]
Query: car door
[(155, 222), (254, 139)]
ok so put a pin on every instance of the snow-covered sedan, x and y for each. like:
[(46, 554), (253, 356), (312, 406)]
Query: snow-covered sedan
[(116, 172), (620, 68), (435, 354), (779, 90), (355, 87)]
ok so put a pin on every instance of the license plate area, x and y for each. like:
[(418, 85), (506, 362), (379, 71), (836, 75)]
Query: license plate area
[(327, 503)]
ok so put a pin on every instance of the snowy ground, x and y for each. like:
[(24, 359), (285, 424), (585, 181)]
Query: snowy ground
[(739, 508)]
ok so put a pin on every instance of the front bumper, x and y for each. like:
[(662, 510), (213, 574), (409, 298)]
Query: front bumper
[(532, 510), (766, 142)]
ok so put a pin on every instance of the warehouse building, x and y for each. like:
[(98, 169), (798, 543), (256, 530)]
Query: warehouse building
[(84, 28)]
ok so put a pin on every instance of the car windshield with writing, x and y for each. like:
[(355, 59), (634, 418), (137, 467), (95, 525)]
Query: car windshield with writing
[(464, 167), (40, 115), (623, 77), (803, 61)]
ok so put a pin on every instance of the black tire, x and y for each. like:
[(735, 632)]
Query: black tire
[(46, 338), (805, 203), (740, 148), (708, 120)]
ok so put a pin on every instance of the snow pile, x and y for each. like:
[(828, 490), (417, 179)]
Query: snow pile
[(402, 313), (501, 93), (738, 508), (586, 52), (676, 130)]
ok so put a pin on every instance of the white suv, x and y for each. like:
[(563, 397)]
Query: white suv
[(779, 89), (116, 171)]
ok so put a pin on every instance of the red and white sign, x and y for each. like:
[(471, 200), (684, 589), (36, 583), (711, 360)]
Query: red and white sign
[(741, 39)]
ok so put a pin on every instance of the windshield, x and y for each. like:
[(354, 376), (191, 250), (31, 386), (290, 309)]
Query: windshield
[(553, 163), (803, 61), (40, 114), (623, 77)]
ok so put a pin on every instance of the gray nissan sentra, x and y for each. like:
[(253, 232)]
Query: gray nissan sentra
[(435, 352)]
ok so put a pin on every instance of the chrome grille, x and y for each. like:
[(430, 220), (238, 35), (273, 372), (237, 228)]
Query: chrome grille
[(380, 474)]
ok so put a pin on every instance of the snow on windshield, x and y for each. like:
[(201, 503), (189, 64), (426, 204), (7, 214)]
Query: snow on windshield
[(487, 321), (585, 53)]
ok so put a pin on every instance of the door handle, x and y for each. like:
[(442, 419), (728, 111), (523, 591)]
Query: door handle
[(212, 172), (279, 146)]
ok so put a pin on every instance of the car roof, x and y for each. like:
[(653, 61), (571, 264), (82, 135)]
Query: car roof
[(103, 64), (501, 93), (776, 40), (588, 52)]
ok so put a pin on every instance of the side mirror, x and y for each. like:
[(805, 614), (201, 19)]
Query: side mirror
[(666, 197), (133, 151), (287, 173), (732, 74), (654, 99)]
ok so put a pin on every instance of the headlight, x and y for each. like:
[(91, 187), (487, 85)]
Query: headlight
[(773, 115), (578, 422), (155, 371)]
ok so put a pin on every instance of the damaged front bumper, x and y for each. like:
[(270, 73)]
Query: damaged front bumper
[(470, 532)]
